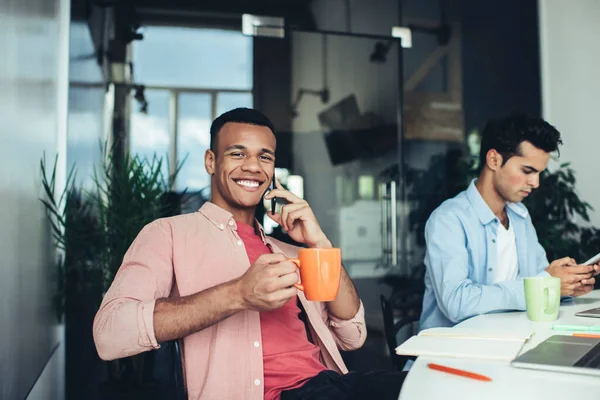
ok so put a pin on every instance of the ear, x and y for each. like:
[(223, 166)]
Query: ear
[(493, 160), (209, 162)]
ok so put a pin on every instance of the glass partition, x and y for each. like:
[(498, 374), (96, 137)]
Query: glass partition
[(374, 158)]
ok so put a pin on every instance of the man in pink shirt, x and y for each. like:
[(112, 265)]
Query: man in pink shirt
[(216, 281)]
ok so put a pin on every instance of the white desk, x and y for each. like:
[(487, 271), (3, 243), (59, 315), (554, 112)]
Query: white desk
[(507, 382)]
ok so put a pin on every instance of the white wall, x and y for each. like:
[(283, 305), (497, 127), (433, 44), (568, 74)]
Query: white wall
[(570, 68), (50, 384), (33, 95)]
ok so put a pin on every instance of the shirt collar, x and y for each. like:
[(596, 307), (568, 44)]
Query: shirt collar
[(222, 218), (519, 209), (483, 211)]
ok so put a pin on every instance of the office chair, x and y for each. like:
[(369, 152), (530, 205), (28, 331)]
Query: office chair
[(409, 312), (181, 392)]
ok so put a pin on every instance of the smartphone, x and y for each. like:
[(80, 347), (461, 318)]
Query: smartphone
[(593, 260), (274, 199)]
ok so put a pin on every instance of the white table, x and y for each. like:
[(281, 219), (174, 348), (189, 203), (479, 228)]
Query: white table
[(507, 382)]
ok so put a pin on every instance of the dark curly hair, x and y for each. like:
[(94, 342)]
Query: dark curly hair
[(506, 134), (242, 115)]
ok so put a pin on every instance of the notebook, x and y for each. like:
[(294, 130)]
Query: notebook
[(469, 333), (465, 343)]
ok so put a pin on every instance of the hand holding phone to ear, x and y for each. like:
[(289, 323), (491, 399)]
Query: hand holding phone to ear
[(297, 219)]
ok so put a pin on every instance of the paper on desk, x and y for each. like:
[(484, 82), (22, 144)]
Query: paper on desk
[(468, 333), (465, 343)]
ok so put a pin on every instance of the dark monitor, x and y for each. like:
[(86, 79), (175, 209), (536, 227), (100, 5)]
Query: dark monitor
[(350, 135)]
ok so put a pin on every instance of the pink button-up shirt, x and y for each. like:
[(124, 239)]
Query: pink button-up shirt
[(186, 254)]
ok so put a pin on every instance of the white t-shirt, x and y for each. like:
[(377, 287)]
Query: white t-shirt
[(507, 265)]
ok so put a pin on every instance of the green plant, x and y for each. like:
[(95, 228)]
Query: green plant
[(446, 176), (75, 229), (93, 231), (554, 208), (130, 193)]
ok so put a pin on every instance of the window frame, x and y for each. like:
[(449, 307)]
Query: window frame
[(174, 92)]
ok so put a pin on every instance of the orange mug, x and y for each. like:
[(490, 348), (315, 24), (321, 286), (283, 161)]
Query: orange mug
[(320, 271)]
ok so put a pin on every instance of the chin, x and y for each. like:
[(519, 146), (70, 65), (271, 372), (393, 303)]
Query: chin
[(518, 198), (248, 202)]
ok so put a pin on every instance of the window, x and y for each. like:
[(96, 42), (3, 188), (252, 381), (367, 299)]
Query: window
[(151, 127), (192, 57), (83, 65), (85, 131), (193, 125), (191, 76)]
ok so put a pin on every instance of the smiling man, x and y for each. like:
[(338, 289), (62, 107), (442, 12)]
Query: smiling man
[(482, 243), (216, 281)]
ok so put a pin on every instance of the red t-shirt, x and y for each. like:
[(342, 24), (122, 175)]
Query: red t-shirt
[(289, 359)]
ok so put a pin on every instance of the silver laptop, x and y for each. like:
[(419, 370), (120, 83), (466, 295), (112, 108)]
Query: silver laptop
[(592, 312), (572, 354)]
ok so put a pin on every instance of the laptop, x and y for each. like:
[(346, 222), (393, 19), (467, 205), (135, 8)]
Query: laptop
[(561, 353), (592, 313)]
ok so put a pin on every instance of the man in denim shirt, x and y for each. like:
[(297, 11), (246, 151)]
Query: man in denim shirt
[(482, 243)]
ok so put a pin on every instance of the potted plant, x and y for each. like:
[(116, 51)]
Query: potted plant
[(93, 230), (555, 209), (75, 226)]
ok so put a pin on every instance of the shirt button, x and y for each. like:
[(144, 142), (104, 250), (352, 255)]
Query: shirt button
[(221, 226), (489, 269), (230, 222), (257, 382), (239, 242), (256, 344), (493, 240)]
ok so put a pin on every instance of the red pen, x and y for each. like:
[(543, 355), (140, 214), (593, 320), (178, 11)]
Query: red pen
[(459, 372)]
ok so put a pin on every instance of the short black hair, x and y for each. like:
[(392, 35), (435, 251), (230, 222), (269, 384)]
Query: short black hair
[(241, 115), (506, 134)]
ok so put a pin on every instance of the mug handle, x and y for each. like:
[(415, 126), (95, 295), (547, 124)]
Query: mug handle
[(297, 262), (551, 296)]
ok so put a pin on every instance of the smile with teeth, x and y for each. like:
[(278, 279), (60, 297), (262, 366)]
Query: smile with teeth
[(247, 183)]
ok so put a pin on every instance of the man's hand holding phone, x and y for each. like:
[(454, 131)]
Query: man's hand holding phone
[(297, 219), (575, 280)]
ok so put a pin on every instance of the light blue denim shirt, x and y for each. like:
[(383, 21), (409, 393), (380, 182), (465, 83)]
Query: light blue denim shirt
[(460, 260)]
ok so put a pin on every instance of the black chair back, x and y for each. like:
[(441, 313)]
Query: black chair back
[(181, 392), (403, 312), (167, 371)]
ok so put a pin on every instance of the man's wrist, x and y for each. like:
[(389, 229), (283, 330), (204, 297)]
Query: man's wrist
[(233, 291), (322, 244)]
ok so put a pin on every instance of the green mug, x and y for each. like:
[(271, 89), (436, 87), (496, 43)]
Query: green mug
[(542, 297)]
